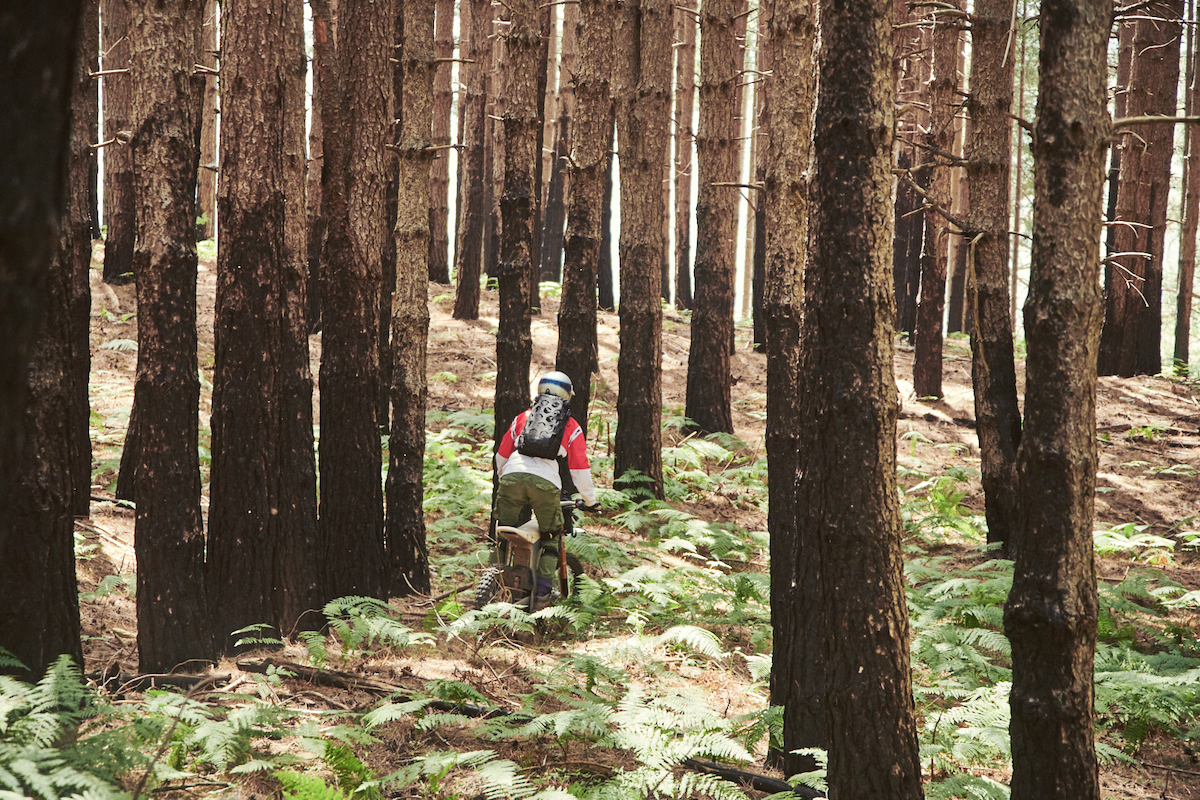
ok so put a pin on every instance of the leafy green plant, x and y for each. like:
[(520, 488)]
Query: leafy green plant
[(120, 345), (932, 510), (58, 738), (1134, 541), (1147, 433), (357, 624)]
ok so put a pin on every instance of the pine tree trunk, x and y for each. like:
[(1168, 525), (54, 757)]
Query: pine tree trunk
[(796, 682), (958, 313), (315, 212), (206, 191), (709, 404), (1018, 181), (1191, 211), (553, 232), (49, 141), (910, 71), (497, 99), (75, 250), (927, 339), (762, 156), (548, 100), (642, 78), (536, 221), (993, 371), (1129, 342), (473, 108), (262, 508), (408, 554), (685, 104), (604, 278), (173, 621), (439, 172), (589, 164), (358, 101), (1050, 615), (514, 345), (119, 198), (846, 500)]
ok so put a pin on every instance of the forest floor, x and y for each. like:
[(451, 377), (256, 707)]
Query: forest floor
[(1149, 431)]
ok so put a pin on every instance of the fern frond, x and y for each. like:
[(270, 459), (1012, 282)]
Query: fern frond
[(502, 779), (696, 784), (698, 639), (390, 712), (431, 721), (307, 786)]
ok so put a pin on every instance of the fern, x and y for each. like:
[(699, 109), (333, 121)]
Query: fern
[(42, 752), (698, 639), (308, 786), (500, 778), (504, 617), (353, 777), (362, 622)]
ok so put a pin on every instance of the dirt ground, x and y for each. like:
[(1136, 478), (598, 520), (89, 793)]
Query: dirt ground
[(1149, 459)]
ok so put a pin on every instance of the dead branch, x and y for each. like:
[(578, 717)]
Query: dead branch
[(755, 186), (1152, 119), (324, 677), (121, 137), (929, 204)]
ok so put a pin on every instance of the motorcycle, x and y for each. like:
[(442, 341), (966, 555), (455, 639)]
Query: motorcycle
[(512, 575)]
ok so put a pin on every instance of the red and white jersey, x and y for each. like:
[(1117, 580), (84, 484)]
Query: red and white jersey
[(574, 447)]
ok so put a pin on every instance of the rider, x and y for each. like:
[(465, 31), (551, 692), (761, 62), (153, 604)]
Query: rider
[(527, 477)]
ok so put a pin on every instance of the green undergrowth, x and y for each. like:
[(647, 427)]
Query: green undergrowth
[(613, 700)]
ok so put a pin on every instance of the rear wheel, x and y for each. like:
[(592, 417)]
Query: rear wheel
[(488, 587), (503, 584)]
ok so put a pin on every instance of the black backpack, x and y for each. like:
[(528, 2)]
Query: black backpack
[(544, 427)]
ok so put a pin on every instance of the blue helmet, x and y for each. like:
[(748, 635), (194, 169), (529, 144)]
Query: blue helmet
[(557, 384)]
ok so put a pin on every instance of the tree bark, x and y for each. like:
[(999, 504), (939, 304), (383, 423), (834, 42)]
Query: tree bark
[(846, 502), (119, 199), (553, 232), (1050, 615), (604, 278), (44, 76), (75, 252), (497, 100), (537, 215), (709, 404), (796, 681), (473, 108), (685, 105), (588, 166), (358, 104), (958, 303), (910, 72), (993, 371), (1129, 340), (314, 209), (1191, 212), (173, 622), (206, 190), (439, 170), (643, 91), (262, 520), (927, 338), (514, 344), (404, 533)]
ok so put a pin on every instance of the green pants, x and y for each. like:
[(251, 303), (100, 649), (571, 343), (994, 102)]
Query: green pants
[(519, 489)]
